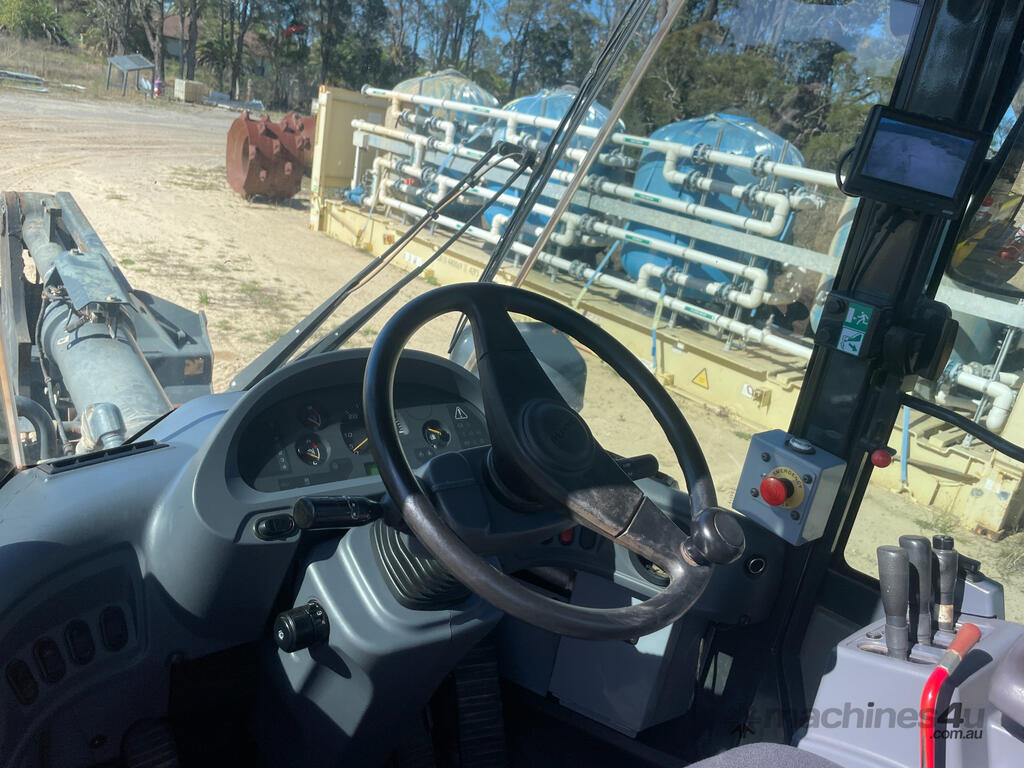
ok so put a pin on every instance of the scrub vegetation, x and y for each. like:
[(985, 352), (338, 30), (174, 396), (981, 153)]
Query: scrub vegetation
[(814, 92)]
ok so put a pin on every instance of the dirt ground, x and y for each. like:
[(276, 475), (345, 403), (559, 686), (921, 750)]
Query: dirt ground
[(150, 177)]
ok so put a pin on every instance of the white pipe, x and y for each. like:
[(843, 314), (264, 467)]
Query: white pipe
[(1002, 396), (778, 202), (759, 165), (942, 397), (684, 207), (755, 297), (743, 330), (355, 171), (724, 291), (758, 277), (445, 184), (772, 228)]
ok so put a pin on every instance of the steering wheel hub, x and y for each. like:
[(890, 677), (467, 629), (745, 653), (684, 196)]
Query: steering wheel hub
[(557, 437)]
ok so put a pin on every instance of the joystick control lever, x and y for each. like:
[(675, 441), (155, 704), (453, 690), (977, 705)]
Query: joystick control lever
[(894, 579), (919, 552), (947, 565)]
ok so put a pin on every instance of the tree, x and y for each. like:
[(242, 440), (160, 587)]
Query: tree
[(193, 8), (330, 22), (32, 18), (151, 14), (244, 12), (286, 38)]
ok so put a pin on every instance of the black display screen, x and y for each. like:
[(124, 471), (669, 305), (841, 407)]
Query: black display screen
[(915, 162), (918, 157)]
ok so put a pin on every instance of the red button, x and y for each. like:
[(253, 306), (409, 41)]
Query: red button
[(566, 536), (775, 491), (881, 458)]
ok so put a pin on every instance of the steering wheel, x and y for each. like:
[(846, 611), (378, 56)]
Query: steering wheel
[(543, 451)]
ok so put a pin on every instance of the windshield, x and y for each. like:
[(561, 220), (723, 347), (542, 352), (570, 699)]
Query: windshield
[(254, 162)]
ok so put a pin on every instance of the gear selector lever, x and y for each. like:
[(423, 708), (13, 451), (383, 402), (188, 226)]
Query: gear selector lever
[(894, 579)]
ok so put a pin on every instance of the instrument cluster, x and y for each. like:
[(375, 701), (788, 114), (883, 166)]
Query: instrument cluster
[(320, 436)]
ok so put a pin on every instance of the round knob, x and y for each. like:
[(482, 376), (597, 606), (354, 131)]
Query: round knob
[(881, 458), (776, 491), (301, 627), (717, 538)]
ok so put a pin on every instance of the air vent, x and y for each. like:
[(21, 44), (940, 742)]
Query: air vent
[(95, 457)]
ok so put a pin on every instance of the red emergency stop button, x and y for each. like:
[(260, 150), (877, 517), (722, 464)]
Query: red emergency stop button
[(776, 491), (881, 458)]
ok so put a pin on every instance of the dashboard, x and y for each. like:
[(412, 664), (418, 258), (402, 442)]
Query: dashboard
[(319, 436)]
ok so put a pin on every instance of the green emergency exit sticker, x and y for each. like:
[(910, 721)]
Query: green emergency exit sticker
[(855, 328)]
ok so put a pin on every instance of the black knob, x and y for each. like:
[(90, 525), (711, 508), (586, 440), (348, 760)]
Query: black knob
[(919, 552), (717, 538), (301, 627), (894, 580), (942, 541)]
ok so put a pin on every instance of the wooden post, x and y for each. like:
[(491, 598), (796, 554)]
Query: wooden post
[(109, 67)]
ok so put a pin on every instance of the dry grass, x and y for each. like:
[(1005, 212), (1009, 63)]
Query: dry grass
[(74, 65), (54, 64)]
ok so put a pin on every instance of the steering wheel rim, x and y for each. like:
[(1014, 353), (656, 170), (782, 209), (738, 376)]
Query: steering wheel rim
[(550, 450)]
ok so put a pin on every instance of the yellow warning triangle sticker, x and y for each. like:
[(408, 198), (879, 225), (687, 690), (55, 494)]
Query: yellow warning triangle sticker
[(701, 379)]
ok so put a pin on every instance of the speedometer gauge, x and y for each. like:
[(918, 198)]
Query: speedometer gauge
[(356, 440)]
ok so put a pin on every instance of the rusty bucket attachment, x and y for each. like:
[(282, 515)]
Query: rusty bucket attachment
[(299, 134), (266, 158)]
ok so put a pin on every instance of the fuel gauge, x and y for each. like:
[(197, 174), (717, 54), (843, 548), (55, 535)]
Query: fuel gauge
[(311, 450)]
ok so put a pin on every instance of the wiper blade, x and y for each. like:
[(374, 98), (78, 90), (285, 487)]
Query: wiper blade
[(282, 349)]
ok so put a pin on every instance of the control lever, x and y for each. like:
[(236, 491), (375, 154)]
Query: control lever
[(319, 513), (919, 553), (638, 467), (947, 559), (894, 579)]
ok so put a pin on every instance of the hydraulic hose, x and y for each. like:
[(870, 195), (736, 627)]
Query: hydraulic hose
[(39, 418), (1002, 445)]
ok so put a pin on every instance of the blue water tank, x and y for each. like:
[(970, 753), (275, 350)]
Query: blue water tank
[(552, 103), (726, 132), (453, 85)]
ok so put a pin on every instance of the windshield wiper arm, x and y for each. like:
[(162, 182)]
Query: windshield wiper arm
[(278, 352)]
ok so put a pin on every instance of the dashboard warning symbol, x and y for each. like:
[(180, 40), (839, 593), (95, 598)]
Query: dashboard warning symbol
[(701, 379), (460, 414)]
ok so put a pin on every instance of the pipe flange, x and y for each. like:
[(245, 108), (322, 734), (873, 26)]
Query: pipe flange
[(668, 274), (576, 268), (586, 223), (700, 154), (407, 117), (949, 375), (428, 175), (434, 123), (749, 194), (691, 180), (757, 167), (432, 143)]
